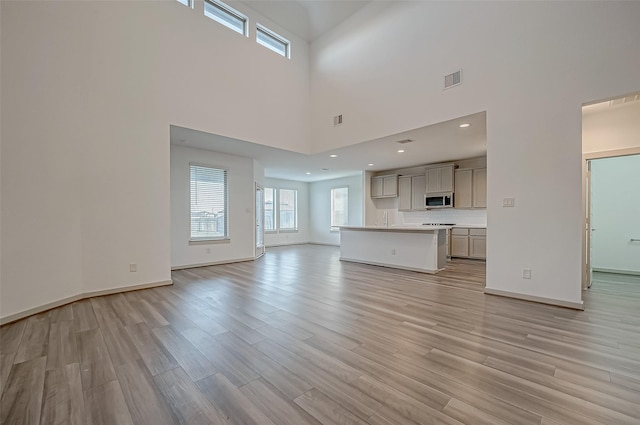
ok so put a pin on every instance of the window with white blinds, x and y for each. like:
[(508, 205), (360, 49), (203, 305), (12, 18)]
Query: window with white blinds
[(209, 208), (269, 204), (339, 207), (288, 209)]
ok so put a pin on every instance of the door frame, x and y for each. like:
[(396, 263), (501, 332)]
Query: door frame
[(259, 222), (586, 205)]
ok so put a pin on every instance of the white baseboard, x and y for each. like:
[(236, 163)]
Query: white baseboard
[(542, 300), (275, 245), (391, 266), (323, 244), (616, 271), (213, 263), (59, 303)]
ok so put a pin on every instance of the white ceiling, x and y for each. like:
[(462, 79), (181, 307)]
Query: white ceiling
[(308, 19), (441, 142)]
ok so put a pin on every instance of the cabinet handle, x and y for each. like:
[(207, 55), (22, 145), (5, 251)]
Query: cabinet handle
[(634, 240)]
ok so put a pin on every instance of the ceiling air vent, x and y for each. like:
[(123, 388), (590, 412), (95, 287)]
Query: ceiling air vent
[(404, 142), (453, 79), (337, 120)]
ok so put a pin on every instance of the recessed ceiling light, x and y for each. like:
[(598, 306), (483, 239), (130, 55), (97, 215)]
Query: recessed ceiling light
[(333, 155), (465, 125), (307, 173), (400, 150), (370, 165)]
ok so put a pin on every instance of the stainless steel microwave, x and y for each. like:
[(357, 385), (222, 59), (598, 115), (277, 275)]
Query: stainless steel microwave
[(438, 200)]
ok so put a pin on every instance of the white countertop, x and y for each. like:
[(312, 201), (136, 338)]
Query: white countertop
[(404, 228), (471, 226)]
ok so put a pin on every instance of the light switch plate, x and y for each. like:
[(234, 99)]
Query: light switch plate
[(508, 202)]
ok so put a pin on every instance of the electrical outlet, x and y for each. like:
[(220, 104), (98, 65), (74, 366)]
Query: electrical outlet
[(133, 267), (526, 273), (508, 202), (208, 250), (393, 251)]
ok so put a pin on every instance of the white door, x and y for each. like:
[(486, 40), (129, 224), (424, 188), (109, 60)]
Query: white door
[(615, 208), (259, 220)]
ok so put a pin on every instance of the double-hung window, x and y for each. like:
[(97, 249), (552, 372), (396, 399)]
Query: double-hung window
[(273, 41), (339, 207), (280, 210), (227, 16), (209, 206), (288, 208), (269, 208)]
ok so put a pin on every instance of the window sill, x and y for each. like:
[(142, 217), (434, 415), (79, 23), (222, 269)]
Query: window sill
[(288, 231), (209, 241)]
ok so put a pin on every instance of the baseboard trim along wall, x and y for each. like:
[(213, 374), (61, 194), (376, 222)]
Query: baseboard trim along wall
[(324, 244), (35, 310), (213, 263), (542, 300), (616, 271), (275, 245)]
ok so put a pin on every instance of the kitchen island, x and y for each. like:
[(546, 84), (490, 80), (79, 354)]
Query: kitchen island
[(417, 248)]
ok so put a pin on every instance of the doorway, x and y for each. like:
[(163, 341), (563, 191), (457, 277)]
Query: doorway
[(611, 151), (614, 208)]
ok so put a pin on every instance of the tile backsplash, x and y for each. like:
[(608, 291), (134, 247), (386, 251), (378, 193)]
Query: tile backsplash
[(445, 215)]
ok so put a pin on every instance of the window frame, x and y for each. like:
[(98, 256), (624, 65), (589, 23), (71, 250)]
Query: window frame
[(230, 11), (333, 227), (275, 37), (188, 3), (273, 209), (295, 212), (226, 236)]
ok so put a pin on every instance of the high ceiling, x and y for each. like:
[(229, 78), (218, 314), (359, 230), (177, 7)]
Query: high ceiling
[(442, 142), (308, 19)]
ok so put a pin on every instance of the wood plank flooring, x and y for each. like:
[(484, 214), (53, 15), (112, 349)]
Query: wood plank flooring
[(298, 337)]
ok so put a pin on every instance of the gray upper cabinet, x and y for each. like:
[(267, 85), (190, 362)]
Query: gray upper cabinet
[(440, 178), (404, 193), (411, 193), (384, 186), (480, 188), (462, 197), (470, 188), (418, 188)]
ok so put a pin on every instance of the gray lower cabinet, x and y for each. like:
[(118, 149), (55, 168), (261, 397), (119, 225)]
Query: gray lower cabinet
[(459, 245), (469, 242)]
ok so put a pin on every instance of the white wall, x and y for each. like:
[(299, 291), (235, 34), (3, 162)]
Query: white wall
[(289, 237), (241, 186), (615, 210), (86, 111), (617, 127), (89, 90), (320, 208), (530, 65)]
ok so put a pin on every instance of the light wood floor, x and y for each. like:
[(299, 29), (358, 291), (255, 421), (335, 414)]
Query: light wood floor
[(299, 337)]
